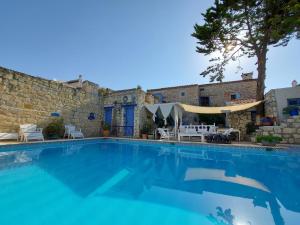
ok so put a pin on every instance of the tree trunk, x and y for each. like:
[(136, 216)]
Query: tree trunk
[(261, 69)]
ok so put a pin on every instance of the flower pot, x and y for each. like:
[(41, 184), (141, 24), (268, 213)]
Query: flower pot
[(144, 136), (106, 133), (150, 136), (294, 112)]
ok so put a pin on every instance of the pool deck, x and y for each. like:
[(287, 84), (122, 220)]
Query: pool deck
[(234, 144)]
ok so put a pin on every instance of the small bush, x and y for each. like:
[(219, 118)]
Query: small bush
[(268, 138), (147, 128), (289, 109), (55, 129), (106, 126), (250, 127)]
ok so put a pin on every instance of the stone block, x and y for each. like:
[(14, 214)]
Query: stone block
[(288, 130), (296, 136), (291, 140), (296, 125)]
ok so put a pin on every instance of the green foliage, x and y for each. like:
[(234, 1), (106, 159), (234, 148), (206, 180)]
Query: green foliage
[(147, 128), (55, 129), (212, 118), (268, 138), (289, 109), (106, 126), (250, 127), (245, 28)]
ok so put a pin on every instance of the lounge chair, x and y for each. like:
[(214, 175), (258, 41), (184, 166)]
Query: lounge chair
[(71, 132), (222, 138), (30, 132), (165, 133)]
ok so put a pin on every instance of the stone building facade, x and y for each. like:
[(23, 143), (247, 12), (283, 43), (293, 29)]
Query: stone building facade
[(28, 99), (120, 104), (215, 94), (277, 99)]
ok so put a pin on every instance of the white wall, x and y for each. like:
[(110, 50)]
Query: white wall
[(282, 94)]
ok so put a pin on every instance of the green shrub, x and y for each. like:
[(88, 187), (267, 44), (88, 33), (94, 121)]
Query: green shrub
[(250, 127), (55, 129), (106, 126), (268, 138), (147, 128), (289, 109)]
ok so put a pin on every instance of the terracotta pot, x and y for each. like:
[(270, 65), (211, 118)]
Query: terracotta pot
[(106, 133), (144, 136)]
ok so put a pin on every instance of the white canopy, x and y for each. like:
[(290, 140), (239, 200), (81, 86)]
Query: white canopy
[(166, 110), (176, 109)]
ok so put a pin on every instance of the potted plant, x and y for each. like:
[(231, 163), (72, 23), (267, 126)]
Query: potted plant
[(291, 110), (268, 140), (55, 129), (145, 131), (106, 129)]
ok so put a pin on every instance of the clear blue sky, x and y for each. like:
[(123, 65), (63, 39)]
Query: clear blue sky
[(119, 44)]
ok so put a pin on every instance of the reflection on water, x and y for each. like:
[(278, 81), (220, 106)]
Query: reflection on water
[(228, 186)]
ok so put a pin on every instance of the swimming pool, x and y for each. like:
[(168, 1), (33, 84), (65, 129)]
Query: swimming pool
[(119, 182)]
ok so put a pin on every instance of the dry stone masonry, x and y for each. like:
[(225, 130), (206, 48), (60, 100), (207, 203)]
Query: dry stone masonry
[(289, 130), (27, 99)]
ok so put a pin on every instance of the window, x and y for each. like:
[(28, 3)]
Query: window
[(235, 96), (204, 101), (294, 101), (182, 93), (160, 97), (253, 116)]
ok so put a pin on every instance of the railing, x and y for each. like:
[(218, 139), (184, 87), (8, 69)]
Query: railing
[(122, 131)]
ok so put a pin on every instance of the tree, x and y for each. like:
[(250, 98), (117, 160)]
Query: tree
[(239, 28)]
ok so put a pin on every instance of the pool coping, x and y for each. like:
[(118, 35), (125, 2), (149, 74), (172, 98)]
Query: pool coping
[(235, 145)]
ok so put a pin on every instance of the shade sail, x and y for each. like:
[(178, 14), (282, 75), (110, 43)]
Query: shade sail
[(218, 110)]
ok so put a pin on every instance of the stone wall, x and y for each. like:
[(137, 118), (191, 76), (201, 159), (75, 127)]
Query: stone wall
[(135, 97), (188, 94), (289, 130), (28, 99), (239, 120), (271, 104), (220, 93)]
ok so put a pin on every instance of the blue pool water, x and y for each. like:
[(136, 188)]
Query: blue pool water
[(117, 182)]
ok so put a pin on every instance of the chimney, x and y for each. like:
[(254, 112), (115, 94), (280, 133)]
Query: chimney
[(294, 83), (80, 80), (247, 76)]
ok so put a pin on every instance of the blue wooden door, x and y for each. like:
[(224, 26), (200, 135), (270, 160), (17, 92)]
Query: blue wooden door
[(108, 115), (128, 120)]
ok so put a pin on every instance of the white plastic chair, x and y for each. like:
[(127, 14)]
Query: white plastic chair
[(165, 133), (30, 132), (71, 132)]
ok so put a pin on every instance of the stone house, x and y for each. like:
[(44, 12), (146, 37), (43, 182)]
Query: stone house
[(28, 99), (277, 99), (287, 127), (123, 111), (214, 94)]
